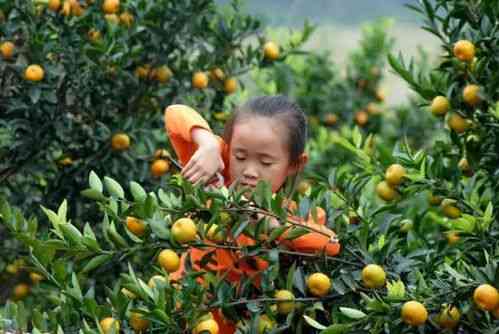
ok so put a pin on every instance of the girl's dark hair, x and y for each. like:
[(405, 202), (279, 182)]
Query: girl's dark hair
[(275, 106)]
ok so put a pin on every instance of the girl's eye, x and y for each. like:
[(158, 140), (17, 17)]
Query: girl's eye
[(239, 158), (266, 163)]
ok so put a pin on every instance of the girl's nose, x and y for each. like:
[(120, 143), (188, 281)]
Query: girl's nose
[(250, 172)]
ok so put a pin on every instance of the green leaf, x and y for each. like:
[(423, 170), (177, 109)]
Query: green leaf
[(118, 240), (93, 194), (114, 188), (336, 329), (352, 313), (276, 233), (159, 227), (96, 262), (62, 211), (296, 232), (357, 137), (71, 233), (312, 322), (138, 193), (95, 182)]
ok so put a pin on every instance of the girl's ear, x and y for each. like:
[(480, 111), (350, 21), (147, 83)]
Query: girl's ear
[(299, 165)]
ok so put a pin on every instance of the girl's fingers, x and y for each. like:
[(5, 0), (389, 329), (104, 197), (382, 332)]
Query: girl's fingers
[(193, 170), (191, 163)]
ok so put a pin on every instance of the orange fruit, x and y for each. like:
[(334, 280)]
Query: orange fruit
[(373, 109), (464, 50), (94, 35), (434, 200), (54, 5), (464, 165), (11, 269), (330, 119), (271, 51), (217, 74), (21, 291), (76, 8), (36, 277), (112, 18), (169, 260), (265, 324), (199, 80), (162, 74), (486, 297), (457, 123), (155, 279), (318, 284), (385, 191), (107, 325), (66, 8), (303, 187), (136, 226), (143, 71), (452, 238), (395, 174), (215, 234), (439, 106), (34, 73), (207, 326), (414, 313), (184, 230), (361, 118), (471, 95), (7, 50), (159, 167), (120, 142), (111, 6), (449, 209), (161, 153), (126, 18), (138, 323), (448, 317), (373, 276), (380, 95), (287, 305), (230, 85)]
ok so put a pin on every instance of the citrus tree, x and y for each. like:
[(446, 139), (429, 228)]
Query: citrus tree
[(84, 85)]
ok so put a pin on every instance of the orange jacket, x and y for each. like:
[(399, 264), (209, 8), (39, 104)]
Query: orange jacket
[(179, 122)]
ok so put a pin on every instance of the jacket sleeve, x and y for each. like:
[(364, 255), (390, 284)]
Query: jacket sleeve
[(179, 122)]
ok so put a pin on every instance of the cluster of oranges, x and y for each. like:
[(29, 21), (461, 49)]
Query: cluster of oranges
[(464, 51), (23, 289), (394, 175)]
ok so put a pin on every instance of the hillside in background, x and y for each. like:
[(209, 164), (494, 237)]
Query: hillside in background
[(339, 24), (352, 12)]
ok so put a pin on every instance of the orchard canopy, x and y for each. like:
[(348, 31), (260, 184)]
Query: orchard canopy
[(96, 221)]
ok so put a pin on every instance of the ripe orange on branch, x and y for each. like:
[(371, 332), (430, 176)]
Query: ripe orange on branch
[(111, 6), (464, 50), (34, 73), (7, 49), (271, 51)]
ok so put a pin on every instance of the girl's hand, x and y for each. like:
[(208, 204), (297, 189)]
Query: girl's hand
[(207, 161)]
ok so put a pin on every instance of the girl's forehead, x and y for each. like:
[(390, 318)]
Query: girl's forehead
[(260, 130)]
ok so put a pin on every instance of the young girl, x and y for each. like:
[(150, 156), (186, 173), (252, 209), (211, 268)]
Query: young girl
[(264, 140)]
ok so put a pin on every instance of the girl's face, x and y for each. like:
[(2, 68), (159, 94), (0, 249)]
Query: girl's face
[(259, 151)]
